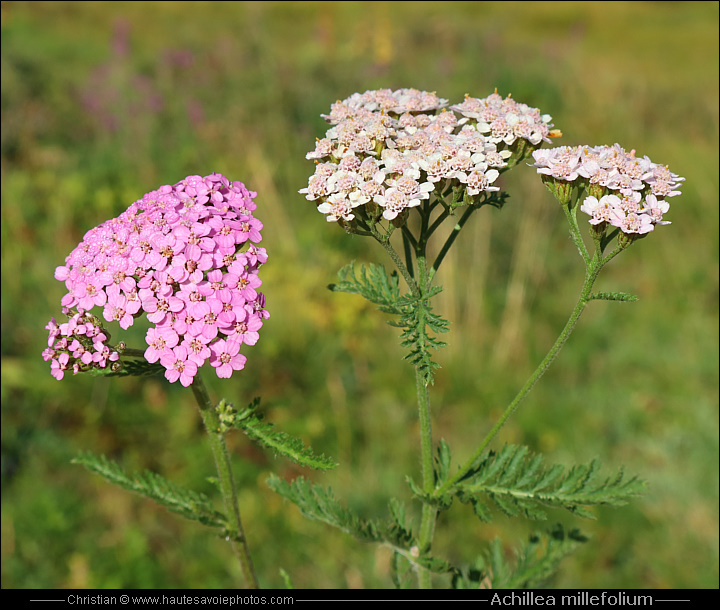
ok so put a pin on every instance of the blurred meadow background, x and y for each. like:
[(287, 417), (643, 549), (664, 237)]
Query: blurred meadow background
[(104, 101)]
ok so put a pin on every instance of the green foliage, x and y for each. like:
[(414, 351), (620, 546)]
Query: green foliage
[(281, 443), (535, 562), (442, 472), (613, 296), (287, 581), (66, 171), (131, 368), (442, 463), (189, 504), (320, 504), (519, 483), (416, 318), (374, 284)]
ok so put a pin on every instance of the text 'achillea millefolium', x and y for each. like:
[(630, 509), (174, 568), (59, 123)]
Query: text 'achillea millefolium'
[(183, 255)]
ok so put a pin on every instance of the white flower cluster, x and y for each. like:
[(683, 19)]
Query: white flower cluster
[(628, 192), (395, 148)]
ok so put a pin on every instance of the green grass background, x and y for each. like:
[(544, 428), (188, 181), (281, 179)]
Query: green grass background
[(104, 101)]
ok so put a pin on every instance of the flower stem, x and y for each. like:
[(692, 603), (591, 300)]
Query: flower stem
[(429, 512), (412, 285), (571, 215), (593, 269), (450, 240), (227, 483)]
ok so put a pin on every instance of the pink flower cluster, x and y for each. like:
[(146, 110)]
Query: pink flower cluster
[(504, 121), (622, 190), (77, 345), (393, 148), (185, 256)]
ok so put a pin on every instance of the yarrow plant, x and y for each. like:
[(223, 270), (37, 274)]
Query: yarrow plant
[(186, 258), (393, 166)]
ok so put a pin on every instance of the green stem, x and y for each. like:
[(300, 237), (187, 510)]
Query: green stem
[(385, 243), (450, 240), (429, 512), (409, 244), (227, 483), (575, 232), (438, 221)]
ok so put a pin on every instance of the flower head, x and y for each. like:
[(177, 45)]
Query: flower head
[(621, 189), (388, 151), (186, 256)]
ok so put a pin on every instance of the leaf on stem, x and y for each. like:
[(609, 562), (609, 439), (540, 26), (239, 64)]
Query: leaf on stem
[(189, 504), (319, 504), (535, 562), (613, 296), (442, 463), (415, 313), (130, 368), (442, 471), (416, 320), (519, 483), (265, 434), (374, 284)]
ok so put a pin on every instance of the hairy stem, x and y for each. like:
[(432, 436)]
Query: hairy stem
[(571, 215), (429, 512), (593, 268), (227, 483), (385, 243)]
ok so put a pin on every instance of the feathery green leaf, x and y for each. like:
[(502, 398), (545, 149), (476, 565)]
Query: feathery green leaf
[(535, 562), (519, 483), (415, 313), (320, 504), (265, 434), (374, 284), (189, 504), (613, 296)]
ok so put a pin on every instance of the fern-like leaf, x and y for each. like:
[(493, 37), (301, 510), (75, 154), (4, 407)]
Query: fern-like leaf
[(130, 368), (415, 313), (374, 284), (417, 322), (519, 483), (281, 443), (539, 558), (613, 296), (189, 504), (535, 562), (319, 504)]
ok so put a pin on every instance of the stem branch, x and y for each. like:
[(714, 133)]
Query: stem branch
[(593, 269)]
